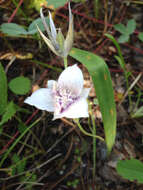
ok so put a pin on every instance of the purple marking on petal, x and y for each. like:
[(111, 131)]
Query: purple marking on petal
[(68, 105), (64, 98)]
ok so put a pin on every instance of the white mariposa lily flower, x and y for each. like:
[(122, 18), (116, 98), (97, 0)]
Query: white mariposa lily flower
[(65, 97)]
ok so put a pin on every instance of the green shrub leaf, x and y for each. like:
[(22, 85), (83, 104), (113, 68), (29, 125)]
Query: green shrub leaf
[(20, 85), (123, 38), (3, 90), (32, 29), (12, 29), (56, 4), (140, 36), (120, 28), (103, 86), (9, 113), (131, 26), (131, 169)]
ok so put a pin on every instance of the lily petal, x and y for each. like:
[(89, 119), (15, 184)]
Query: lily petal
[(85, 92), (41, 99), (48, 42), (45, 24), (52, 26), (72, 79), (77, 110), (70, 35), (51, 84)]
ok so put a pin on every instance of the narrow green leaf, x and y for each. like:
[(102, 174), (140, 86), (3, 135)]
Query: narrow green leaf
[(12, 29), (16, 141), (131, 26), (20, 85), (131, 169), (140, 36), (103, 86), (9, 113), (117, 46), (123, 38), (120, 28), (120, 62), (3, 90)]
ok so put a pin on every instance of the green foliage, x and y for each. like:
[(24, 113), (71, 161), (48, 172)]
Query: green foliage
[(103, 86), (32, 29), (78, 1), (56, 4), (18, 164), (131, 26), (73, 183), (13, 29), (30, 177), (123, 38), (140, 36), (9, 113), (125, 31), (131, 169), (21, 127), (16, 141), (36, 4), (138, 113), (120, 28), (121, 61), (3, 90), (20, 85)]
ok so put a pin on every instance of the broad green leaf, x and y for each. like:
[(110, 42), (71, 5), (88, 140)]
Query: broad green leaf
[(20, 85), (56, 4), (3, 90), (32, 29), (37, 4), (140, 36), (9, 113), (131, 26), (123, 38), (12, 29), (103, 86), (120, 28), (138, 113), (131, 169)]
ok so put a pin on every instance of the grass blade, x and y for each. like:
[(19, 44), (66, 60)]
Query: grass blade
[(3, 90)]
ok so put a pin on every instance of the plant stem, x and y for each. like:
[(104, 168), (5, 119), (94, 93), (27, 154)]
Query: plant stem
[(96, 8), (94, 139), (94, 147), (65, 62), (85, 132)]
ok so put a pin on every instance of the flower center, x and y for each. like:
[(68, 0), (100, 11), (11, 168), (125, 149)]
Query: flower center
[(64, 98)]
